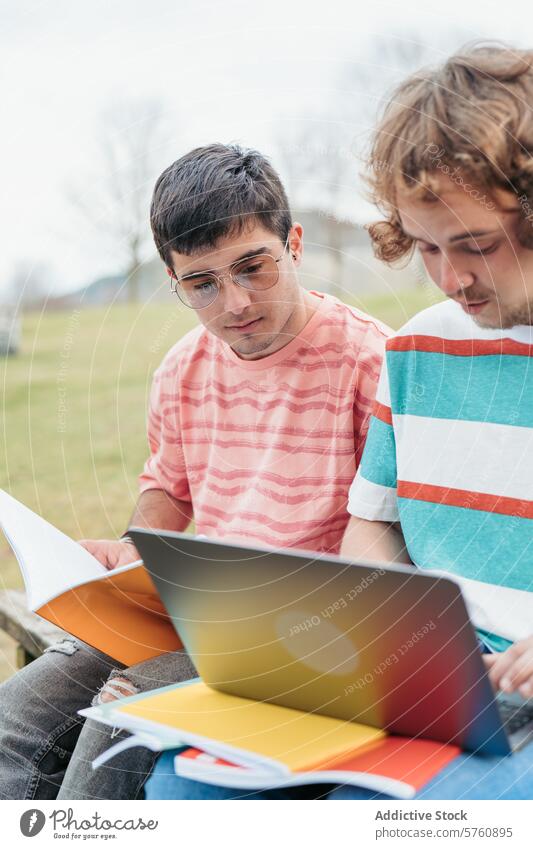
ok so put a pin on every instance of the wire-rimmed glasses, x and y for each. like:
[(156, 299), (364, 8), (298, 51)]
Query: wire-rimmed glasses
[(257, 272)]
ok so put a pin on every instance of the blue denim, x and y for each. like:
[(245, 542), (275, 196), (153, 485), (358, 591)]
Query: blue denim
[(165, 784), (466, 777)]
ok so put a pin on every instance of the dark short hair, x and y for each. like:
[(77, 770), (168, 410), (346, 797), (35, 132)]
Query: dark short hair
[(213, 192)]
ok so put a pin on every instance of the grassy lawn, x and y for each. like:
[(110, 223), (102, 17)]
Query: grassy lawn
[(73, 411)]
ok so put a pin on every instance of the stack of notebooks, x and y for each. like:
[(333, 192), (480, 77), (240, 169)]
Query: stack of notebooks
[(241, 743)]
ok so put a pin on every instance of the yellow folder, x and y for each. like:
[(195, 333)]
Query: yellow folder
[(292, 738)]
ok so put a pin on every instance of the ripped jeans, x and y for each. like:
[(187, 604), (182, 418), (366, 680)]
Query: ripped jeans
[(46, 749)]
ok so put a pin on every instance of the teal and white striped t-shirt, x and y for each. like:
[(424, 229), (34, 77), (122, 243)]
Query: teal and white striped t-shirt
[(449, 454)]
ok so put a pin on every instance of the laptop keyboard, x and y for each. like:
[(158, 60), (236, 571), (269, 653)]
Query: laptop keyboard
[(515, 716)]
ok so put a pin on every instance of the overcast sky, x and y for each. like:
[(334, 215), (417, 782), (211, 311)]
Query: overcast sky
[(223, 71)]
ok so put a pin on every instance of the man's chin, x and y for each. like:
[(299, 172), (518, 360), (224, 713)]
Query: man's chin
[(252, 348), (504, 321), (487, 323)]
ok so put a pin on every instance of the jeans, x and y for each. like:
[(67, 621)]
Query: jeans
[(466, 777), (46, 749)]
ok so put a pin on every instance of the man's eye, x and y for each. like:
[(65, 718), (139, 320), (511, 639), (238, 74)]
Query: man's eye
[(203, 285), (433, 249), (482, 251), (253, 268)]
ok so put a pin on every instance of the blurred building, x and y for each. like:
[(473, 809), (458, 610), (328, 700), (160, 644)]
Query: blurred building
[(9, 330)]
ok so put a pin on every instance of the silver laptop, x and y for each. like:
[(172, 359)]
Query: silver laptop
[(388, 646)]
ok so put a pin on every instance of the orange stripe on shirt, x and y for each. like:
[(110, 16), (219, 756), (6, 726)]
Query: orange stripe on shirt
[(382, 412), (465, 498), (459, 347)]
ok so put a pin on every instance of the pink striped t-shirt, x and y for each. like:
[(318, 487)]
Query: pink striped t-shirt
[(266, 450)]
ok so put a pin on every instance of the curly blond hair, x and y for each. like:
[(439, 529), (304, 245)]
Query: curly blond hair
[(470, 118)]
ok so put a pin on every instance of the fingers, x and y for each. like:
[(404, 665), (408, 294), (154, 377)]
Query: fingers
[(99, 548), (512, 669), (128, 554), (499, 667), (520, 676), (111, 553), (89, 544)]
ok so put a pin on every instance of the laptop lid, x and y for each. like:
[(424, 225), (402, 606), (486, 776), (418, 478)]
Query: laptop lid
[(388, 646)]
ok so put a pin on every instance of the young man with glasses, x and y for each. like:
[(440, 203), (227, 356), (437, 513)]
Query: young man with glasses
[(446, 478), (257, 420)]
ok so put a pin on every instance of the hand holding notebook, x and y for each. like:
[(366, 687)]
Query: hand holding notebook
[(118, 611)]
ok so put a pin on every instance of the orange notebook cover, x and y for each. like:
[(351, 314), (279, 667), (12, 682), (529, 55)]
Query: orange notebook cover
[(397, 766), (118, 612), (121, 614)]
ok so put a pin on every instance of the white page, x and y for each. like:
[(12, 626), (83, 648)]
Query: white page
[(251, 779), (50, 561), (167, 736)]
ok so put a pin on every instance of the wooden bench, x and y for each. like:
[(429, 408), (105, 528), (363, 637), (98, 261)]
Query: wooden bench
[(31, 633)]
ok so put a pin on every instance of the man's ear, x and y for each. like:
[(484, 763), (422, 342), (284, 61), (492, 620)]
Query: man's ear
[(169, 271), (296, 245)]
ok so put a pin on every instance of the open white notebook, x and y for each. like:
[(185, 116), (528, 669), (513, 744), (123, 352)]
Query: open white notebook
[(118, 611)]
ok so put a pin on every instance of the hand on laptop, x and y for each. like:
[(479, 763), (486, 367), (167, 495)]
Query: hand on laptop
[(111, 552), (512, 669)]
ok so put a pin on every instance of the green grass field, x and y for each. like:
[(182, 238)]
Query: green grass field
[(74, 405)]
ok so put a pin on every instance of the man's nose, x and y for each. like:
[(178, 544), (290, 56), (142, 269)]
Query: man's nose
[(235, 298), (452, 280)]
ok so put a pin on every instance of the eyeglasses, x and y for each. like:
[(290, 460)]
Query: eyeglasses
[(258, 273)]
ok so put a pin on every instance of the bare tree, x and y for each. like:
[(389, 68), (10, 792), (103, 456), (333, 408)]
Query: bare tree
[(322, 156), (115, 200)]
